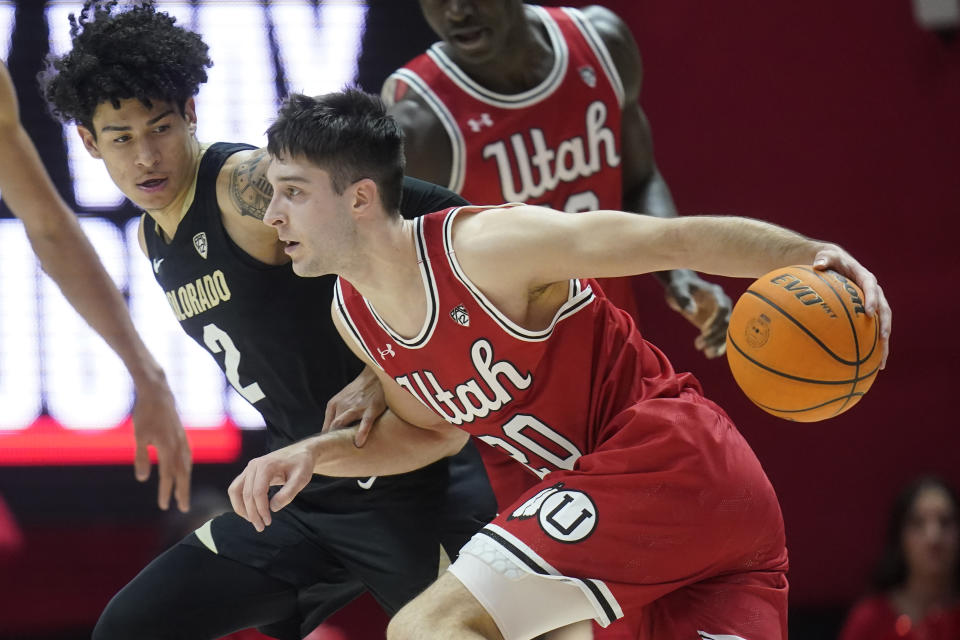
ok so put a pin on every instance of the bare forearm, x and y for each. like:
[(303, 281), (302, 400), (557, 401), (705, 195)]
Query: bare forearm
[(393, 447), (67, 255), (70, 260), (653, 198), (735, 246)]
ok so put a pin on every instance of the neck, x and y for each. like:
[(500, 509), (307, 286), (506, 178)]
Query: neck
[(387, 273), (524, 62), (169, 217)]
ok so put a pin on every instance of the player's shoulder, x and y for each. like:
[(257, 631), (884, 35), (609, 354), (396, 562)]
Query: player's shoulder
[(427, 145), (615, 34), (608, 25), (242, 186), (414, 115)]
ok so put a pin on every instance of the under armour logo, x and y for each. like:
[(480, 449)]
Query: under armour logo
[(387, 352), (460, 315), (200, 244), (156, 264), (588, 75), (484, 121)]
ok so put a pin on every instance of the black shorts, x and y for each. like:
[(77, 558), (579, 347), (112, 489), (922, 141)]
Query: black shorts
[(335, 540)]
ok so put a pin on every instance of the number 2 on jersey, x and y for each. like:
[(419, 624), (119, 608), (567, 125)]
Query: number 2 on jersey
[(217, 340)]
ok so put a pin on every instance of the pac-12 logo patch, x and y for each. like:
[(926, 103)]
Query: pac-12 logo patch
[(566, 515), (200, 244), (588, 75), (460, 315)]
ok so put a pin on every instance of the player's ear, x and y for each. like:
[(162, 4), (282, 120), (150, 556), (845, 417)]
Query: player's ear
[(365, 194), (89, 141), (190, 115)]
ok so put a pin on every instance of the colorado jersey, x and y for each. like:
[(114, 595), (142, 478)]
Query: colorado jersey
[(544, 397), (557, 144), (245, 313), (251, 316)]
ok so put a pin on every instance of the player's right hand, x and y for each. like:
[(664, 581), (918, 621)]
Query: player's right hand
[(290, 468), (156, 424), (361, 400), (705, 305), (874, 301)]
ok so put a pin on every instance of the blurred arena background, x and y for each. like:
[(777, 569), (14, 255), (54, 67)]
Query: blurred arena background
[(837, 119)]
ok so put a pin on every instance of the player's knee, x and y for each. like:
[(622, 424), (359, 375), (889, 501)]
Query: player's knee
[(118, 620), (429, 618), (130, 615)]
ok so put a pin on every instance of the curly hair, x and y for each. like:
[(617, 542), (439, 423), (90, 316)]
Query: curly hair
[(117, 55)]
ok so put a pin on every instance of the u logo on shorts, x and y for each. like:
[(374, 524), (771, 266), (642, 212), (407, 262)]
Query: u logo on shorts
[(566, 515)]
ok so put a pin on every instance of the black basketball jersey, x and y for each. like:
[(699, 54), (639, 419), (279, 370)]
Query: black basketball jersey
[(268, 329)]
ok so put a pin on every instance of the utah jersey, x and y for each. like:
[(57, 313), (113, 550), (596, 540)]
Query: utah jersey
[(557, 144), (648, 492), (516, 389)]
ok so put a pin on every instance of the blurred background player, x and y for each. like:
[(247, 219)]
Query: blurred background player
[(128, 83), (521, 103), (917, 580), (68, 257)]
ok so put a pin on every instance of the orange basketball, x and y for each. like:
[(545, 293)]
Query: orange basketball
[(800, 344)]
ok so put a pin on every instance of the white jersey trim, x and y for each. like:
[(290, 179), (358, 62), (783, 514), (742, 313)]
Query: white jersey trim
[(429, 288), (604, 603), (589, 33), (457, 144), (344, 315), (578, 296), (561, 59)]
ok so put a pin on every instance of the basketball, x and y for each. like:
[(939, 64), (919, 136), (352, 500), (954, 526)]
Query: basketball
[(800, 344)]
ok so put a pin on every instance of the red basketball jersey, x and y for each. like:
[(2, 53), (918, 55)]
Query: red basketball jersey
[(544, 397), (557, 144)]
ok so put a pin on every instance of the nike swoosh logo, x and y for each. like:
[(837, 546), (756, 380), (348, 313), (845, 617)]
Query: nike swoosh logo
[(156, 264), (366, 484)]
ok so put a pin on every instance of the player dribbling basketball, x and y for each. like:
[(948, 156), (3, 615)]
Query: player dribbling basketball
[(655, 508)]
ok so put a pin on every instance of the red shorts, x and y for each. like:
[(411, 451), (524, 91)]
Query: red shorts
[(670, 523)]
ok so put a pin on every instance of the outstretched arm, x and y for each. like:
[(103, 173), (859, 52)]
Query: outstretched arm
[(509, 253), (703, 303), (68, 257)]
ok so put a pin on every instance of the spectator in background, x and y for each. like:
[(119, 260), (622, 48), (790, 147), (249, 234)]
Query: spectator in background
[(917, 581)]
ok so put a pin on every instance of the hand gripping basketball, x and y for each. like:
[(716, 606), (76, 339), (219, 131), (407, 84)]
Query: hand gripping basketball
[(805, 343)]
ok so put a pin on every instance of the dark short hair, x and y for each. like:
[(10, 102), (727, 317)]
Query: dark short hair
[(347, 134), (117, 55), (891, 571)]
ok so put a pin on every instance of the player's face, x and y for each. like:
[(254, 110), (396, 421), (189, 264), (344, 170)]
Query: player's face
[(931, 536), (150, 153), (311, 219), (475, 30)]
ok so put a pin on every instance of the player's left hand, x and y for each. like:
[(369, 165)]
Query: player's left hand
[(361, 400), (874, 300), (705, 305), (290, 468), (156, 424)]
